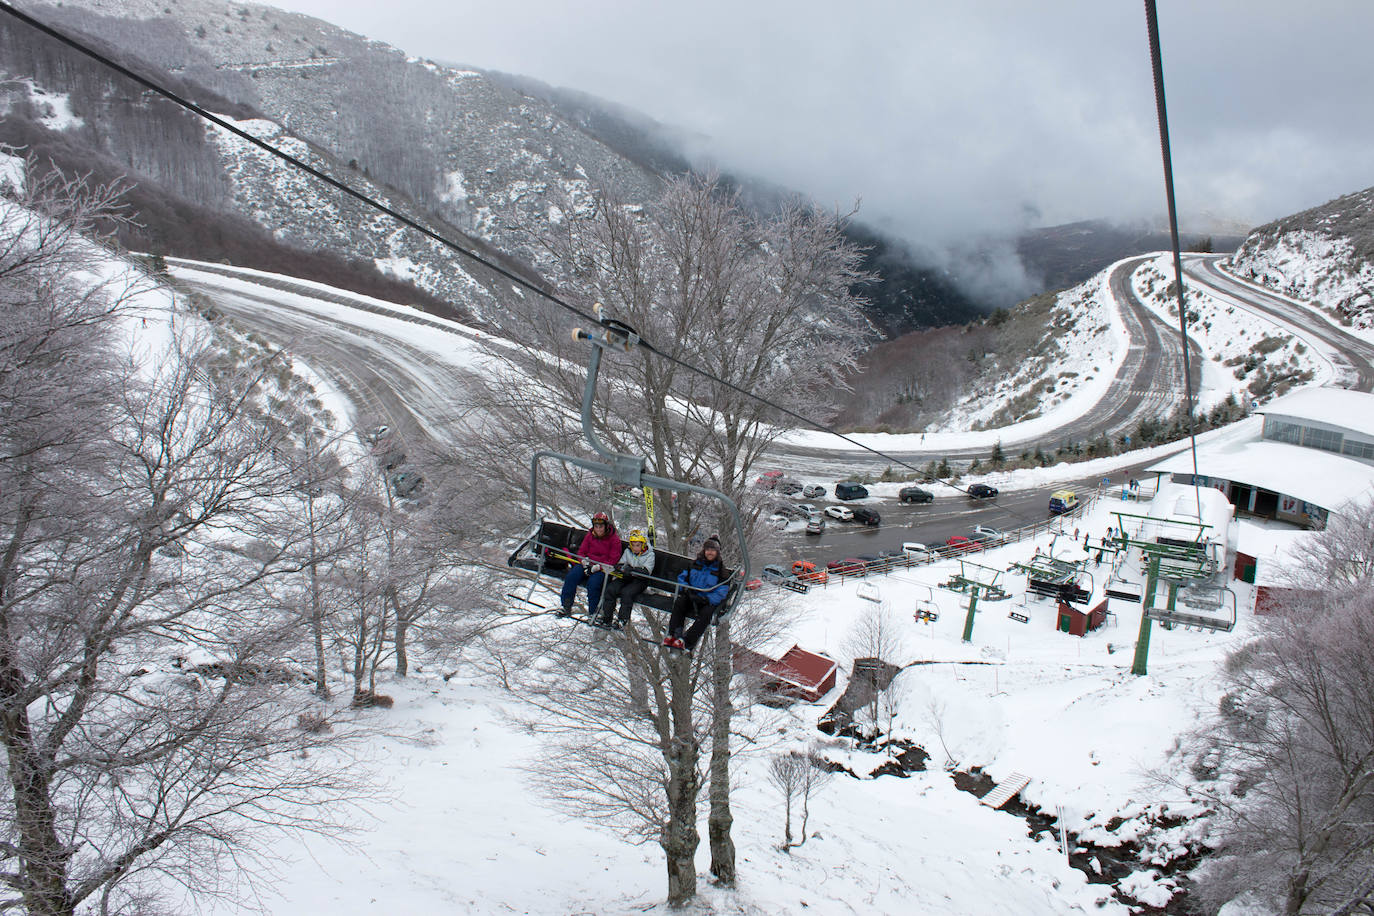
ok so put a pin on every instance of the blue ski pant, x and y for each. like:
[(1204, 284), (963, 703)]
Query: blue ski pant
[(575, 577)]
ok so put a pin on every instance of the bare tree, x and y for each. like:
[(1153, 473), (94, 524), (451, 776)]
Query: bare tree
[(877, 643), (1342, 555), (763, 304), (634, 767), (437, 587), (628, 727), (936, 711), (321, 485), (144, 522), (358, 583), (1288, 761), (797, 777)]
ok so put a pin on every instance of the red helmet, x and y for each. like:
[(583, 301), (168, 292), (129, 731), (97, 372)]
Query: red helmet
[(601, 517)]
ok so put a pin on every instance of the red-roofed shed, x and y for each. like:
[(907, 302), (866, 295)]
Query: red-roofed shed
[(801, 674)]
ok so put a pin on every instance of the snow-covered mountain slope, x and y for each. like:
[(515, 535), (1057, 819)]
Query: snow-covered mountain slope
[(1248, 356), (479, 161), (1325, 255), (1082, 345)]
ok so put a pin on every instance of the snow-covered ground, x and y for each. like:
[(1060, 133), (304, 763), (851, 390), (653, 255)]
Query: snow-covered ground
[(460, 826), (1317, 268), (1084, 351), (464, 830)]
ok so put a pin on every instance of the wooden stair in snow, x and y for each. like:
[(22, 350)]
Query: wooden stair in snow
[(1004, 790)]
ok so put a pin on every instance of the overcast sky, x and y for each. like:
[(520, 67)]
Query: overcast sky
[(950, 120)]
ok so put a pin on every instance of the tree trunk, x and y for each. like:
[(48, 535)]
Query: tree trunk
[(634, 674), (1296, 894), (721, 819), (317, 627), (42, 859), (402, 660), (680, 837), (787, 823)]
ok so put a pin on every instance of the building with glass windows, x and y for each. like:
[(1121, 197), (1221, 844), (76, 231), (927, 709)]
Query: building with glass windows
[(1303, 456)]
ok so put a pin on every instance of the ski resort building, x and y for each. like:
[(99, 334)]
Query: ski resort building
[(1303, 456), (802, 674)]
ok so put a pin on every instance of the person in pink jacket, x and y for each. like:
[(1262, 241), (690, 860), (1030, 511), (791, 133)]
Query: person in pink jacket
[(600, 551)]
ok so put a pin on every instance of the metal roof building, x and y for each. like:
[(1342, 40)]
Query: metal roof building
[(1305, 455)]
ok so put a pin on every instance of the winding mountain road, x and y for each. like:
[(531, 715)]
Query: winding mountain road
[(1354, 358), (1149, 383), (399, 367)]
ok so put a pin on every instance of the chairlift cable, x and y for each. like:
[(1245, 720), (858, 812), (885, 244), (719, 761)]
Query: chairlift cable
[(1157, 66)]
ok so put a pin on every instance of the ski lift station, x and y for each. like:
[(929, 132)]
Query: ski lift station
[(1305, 455)]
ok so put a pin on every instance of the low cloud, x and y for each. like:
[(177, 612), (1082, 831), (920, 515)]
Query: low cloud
[(961, 122)]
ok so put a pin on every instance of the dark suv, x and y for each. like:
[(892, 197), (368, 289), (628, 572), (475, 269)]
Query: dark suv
[(850, 491), (867, 517), (914, 495), (981, 491)]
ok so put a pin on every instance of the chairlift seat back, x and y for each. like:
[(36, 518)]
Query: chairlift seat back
[(544, 553)]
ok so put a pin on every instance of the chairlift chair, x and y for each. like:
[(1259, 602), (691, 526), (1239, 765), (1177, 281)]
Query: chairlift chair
[(1209, 608), (548, 548)]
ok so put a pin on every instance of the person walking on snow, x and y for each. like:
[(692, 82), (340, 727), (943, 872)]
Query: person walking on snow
[(699, 600), (599, 550), (635, 563)]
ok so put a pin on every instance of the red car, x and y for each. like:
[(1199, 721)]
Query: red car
[(849, 566), (806, 571), (768, 480), (960, 544)]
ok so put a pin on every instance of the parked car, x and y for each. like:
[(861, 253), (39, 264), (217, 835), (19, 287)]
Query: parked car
[(813, 491), (867, 517), (777, 522), (815, 525), (850, 491), (840, 513), (376, 434), (788, 487), (960, 544), (774, 574), (872, 561), (915, 550), (914, 495), (988, 534), (849, 566), (981, 491), (807, 571), (768, 480), (807, 510), (406, 484), (790, 512), (1062, 501), (388, 453)]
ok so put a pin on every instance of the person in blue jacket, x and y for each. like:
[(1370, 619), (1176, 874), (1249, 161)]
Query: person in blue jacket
[(708, 588)]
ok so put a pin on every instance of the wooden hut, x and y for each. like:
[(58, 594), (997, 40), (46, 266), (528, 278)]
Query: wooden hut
[(1077, 623)]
